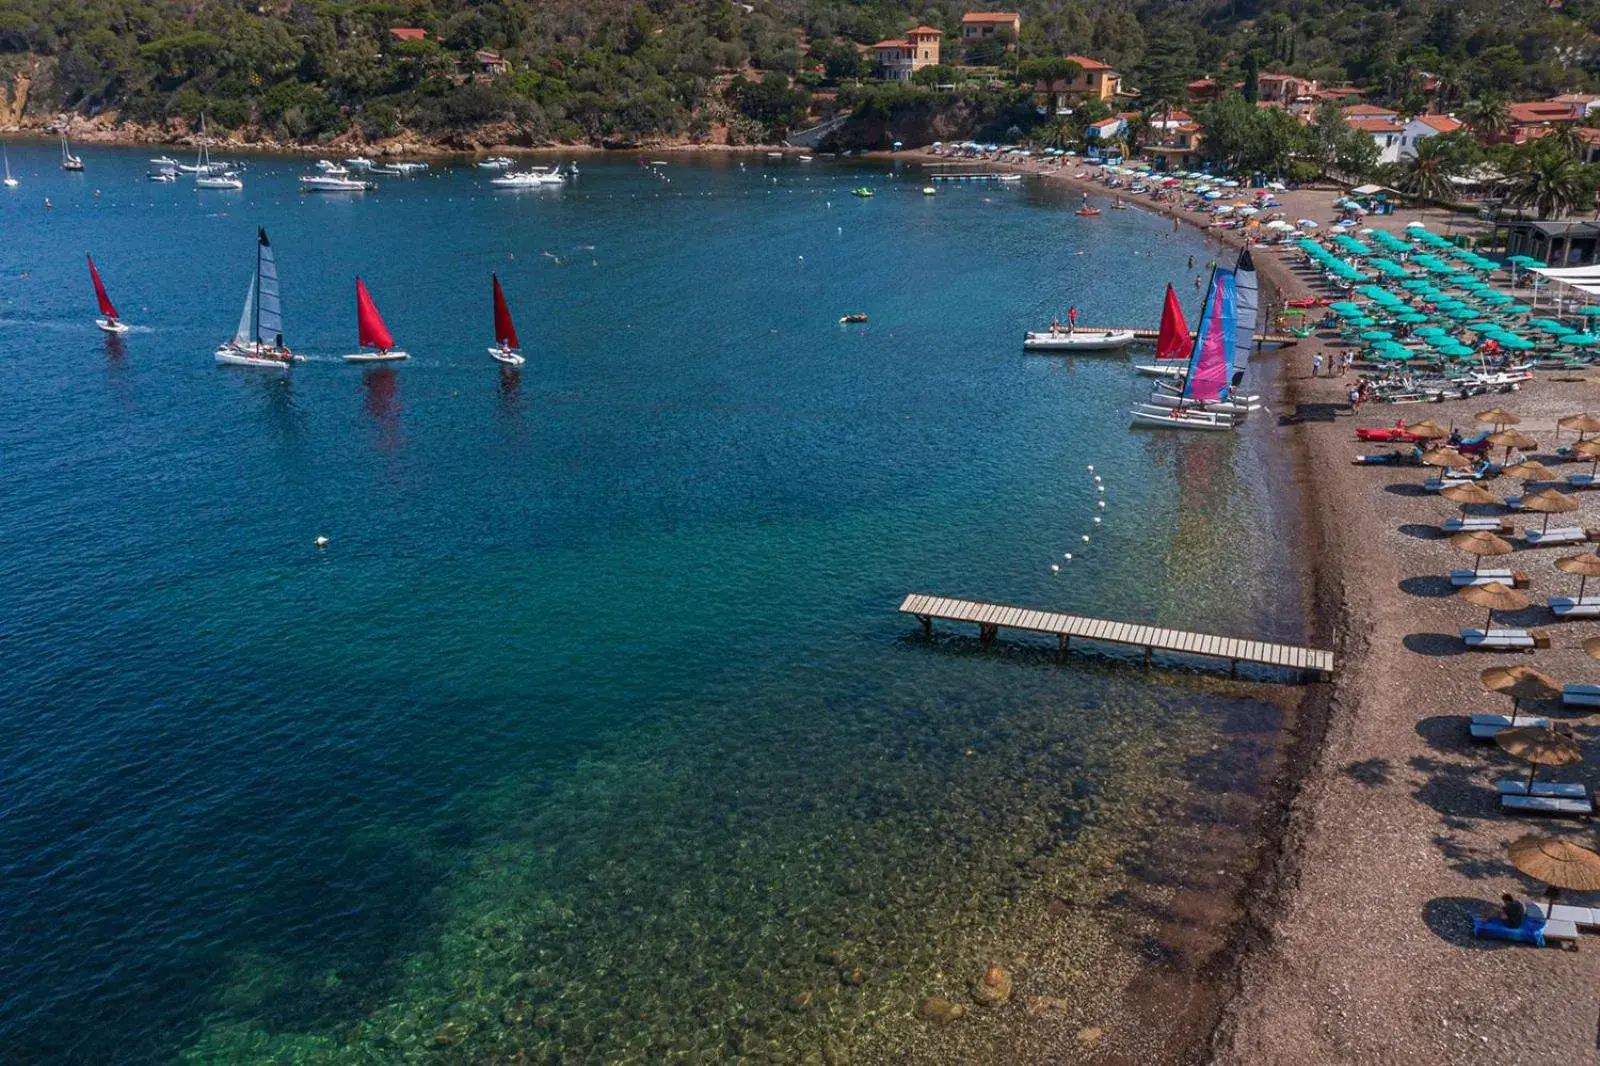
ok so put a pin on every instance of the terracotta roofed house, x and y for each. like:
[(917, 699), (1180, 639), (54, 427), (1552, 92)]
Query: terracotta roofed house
[(1379, 123), (899, 58), (1421, 127), (1529, 121), (976, 25), (490, 63), (408, 33)]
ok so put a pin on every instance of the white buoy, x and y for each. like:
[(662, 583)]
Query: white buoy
[(1102, 504), (1086, 538), (1096, 519), (321, 541), (1091, 468), (1099, 488), (1055, 568), (1069, 557)]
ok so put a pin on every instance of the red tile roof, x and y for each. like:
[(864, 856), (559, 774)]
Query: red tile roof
[(990, 16), (1374, 125), (1366, 111), (1088, 64), (922, 31), (892, 44), (1542, 111), (407, 33), (1442, 123)]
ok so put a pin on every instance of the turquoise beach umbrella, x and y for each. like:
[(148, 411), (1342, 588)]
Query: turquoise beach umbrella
[(1517, 309), (1361, 322), (1581, 340), (1589, 312), (1461, 313), (1412, 318), (1377, 335), (1516, 344)]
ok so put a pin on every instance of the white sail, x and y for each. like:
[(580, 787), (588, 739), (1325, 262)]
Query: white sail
[(269, 313), (242, 336), (1249, 309)]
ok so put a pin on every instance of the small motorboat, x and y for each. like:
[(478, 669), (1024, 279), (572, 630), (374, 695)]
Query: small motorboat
[(929, 190), (166, 176), (495, 162), (538, 177), (165, 162), (334, 183), (218, 181), (863, 192), (856, 316), (1078, 340), (332, 169), (1087, 212)]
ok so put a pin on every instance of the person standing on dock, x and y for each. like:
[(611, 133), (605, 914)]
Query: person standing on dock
[(1072, 320)]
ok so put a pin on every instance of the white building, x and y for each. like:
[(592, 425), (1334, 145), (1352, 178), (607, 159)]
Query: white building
[(1421, 127)]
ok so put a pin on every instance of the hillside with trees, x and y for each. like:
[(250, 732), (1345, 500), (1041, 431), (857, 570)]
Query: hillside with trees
[(622, 71)]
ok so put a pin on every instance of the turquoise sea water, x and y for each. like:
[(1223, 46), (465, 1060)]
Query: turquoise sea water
[(593, 733)]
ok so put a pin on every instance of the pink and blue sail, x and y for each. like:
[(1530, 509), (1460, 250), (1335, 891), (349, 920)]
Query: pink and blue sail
[(1211, 360)]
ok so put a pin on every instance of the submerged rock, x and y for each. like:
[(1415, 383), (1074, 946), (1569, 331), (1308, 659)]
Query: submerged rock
[(1048, 1005), (941, 1010), (802, 1000), (1090, 1036), (994, 987), (854, 975)]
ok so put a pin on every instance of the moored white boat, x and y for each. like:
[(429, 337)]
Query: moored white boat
[(332, 183), (258, 340), (1081, 340), (528, 179), (1181, 418), (411, 168), (166, 161), (332, 168), (494, 162), (218, 181), (1240, 407), (358, 162)]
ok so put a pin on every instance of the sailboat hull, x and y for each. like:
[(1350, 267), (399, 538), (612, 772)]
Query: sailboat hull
[(230, 355), (377, 357), (111, 325), (509, 358), (1161, 418)]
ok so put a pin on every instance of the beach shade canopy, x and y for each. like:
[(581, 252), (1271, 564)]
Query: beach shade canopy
[(1361, 322), (1530, 470), (1514, 342), (1520, 683), (1583, 422), (1511, 438), (1494, 597), (1589, 312), (1461, 313), (1470, 493), (1457, 351), (1480, 543), (1428, 429), (1517, 309), (1497, 417), (1586, 565), (1557, 862), (1588, 449), (1580, 340), (1430, 331), (1412, 318), (1446, 459), (1377, 335), (1538, 746), (1549, 502)]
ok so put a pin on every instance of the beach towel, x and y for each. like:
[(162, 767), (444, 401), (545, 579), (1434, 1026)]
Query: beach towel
[(1531, 931)]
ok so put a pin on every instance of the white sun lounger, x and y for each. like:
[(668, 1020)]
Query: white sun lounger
[(1558, 928), (1516, 786), (1564, 535), (1437, 484), (1503, 639), (1546, 805), (1475, 524), (1567, 607), (1574, 695), (1582, 917), (1463, 578), (1485, 726)]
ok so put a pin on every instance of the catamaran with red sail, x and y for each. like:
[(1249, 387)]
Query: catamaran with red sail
[(112, 322), (371, 332), (1208, 379), (258, 340), (506, 344), (1172, 342)]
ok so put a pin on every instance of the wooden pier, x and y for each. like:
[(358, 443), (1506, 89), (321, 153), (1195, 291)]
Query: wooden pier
[(975, 176), (1276, 340), (990, 617)]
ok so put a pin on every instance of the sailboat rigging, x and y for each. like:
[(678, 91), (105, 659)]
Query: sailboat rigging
[(68, 160), (111, 323), (10, 182), (258, 340), (371, 332), (505, 333), (209, 175)]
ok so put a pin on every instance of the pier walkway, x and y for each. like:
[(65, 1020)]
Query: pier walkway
[(990, 617)]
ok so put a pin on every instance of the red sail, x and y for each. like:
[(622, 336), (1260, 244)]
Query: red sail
[(369, 324), (504, 332), (1174, 341), (107, 308)]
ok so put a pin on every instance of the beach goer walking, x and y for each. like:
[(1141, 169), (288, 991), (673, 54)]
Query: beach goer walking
[(1355, 397), (1191, 262), (1316, 365)]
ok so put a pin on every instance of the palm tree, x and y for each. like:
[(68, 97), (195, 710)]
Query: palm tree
[(1488, 114), (1426, 173), (1549, 181), (1568, 140)]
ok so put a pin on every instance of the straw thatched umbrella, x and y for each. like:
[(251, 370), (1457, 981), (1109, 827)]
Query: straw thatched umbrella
[(1497, 417), (1428, 429), (1584, 422), (1511, 438), (1520, 683), (1585, 566), (1530, 471), (1479, 544), (1494, 597), (1538, 746), (1557, 862), (1547, 503), (1466, 494), (1590, 450), (1591, 647)]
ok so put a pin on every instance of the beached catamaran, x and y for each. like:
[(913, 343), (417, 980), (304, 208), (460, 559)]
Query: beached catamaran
[(259, 339), (371, 332), (111, 323), (1210, 368), (505, 333)]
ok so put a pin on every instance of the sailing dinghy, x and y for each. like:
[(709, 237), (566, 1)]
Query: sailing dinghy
[(68, 160), (10, 182), (1210, 365), (259, 339), (371, 332), (111, 322), (505, 333), (1172, 342)]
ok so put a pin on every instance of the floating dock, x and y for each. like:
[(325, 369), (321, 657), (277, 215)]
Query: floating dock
[(990, 617), (1275, 340), (981, 176)]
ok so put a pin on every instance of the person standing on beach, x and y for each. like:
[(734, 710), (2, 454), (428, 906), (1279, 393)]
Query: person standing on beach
[(1316, 365)]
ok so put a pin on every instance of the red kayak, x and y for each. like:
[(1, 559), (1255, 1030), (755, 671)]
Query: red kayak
[(1397, 434)]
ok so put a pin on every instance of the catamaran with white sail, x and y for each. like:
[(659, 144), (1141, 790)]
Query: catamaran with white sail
[(68, 160), (505, 332), (112, 322), (259, 339), (372, 333), (10, 182)]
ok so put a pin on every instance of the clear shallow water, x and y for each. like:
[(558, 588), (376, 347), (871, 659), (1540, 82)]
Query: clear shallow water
[(594, 727)]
